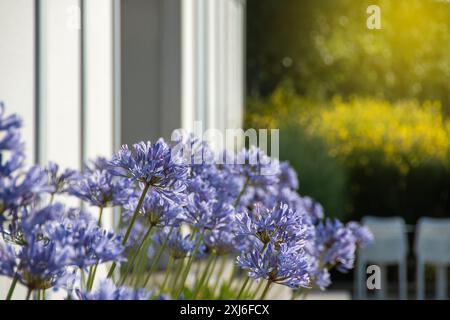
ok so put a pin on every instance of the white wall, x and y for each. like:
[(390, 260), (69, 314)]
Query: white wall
[(212, 68), (118, 71), (17, 64)]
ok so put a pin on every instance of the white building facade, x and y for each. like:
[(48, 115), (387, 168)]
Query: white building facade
[(89, 75)]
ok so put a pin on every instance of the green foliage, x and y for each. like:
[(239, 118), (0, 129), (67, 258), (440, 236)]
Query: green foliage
[(324, 48), (362, 155), (321, 176)]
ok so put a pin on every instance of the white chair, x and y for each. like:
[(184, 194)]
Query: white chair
[(390, 248), (432, 246)]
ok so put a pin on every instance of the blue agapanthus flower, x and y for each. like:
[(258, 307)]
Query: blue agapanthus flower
[(8, 260), (42, 263), (31, 221), (287, 176), (154, 165), (8, 165), (11, 145), (257, 167), (11, 141), (8, 122), (178, 245), (286, 265), (276, 245), (362, 234), (207, 214), (336, 245), (23, 190), (59, 180), (279, 224), (156, 210), (312, 207), (89, 244), (107, 290), (47, 242), (222, 242), (202, 187), (101, 189)]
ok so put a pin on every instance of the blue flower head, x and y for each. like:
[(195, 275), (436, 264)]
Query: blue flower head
[(287, 176), (23, 190), (99, 187), (152, 164), (157, 210), (178, 245), (8, 122), (362, 234), (279, 224), (286, 265), (89, 244), (257, 167), (207, 214), (59, 180), (276, 251), (336, 245)]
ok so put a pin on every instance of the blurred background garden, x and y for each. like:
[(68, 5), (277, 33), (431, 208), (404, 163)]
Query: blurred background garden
[(364, 115)]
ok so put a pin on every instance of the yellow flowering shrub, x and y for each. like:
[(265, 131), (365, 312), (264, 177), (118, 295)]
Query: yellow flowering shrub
[(404, 134)]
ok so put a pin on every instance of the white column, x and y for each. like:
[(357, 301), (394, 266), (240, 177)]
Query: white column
[(17, 80), (98, 109), (61, 120), (17, 65), (98, 84)]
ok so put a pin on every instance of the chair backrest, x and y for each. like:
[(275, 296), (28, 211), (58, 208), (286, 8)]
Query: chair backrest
[(432, 240), (391, 245)]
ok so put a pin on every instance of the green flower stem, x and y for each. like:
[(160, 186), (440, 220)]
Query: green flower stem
[(93, 269), (220, 272), (174, 281), (258, 289), (166, 276), (12, 287), (213, 267), (247, 279), (135, 254), (83, 276), (92, 278), (232, 275), (158, 257), (188, 266), (204, 276), (100, 214), (130, 226), (28, 294), (142, 264), (266, 290)]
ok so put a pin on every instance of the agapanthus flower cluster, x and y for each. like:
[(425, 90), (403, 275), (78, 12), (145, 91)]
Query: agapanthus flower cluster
[(47, 242), (155, 210), (11, 144), (98, 187), (276, 250), (153, 165), (183, 201), (178, 246), (334, 246), (59, 181)]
